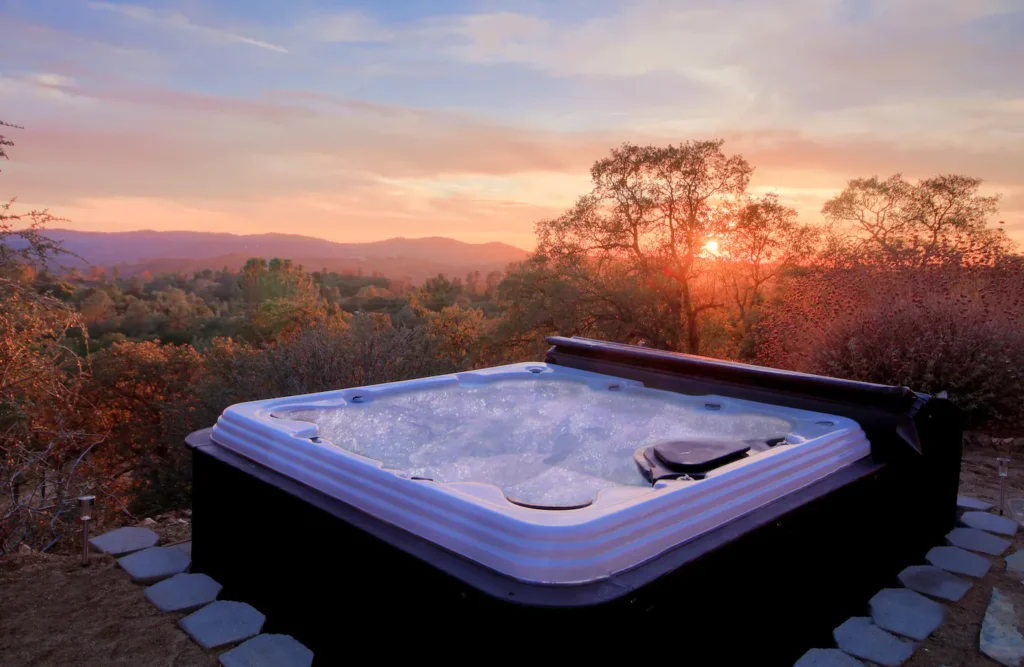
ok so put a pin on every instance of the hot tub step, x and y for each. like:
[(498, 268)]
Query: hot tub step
[(268, 651), (155, 564), (124, 541), (990, 523), (935, 582), (223, 622), (827, 657), (906, 613), (958, 561), (861, 638), (977, 540), (183, 592)]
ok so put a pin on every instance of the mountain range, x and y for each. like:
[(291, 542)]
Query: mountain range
[(402, 258)]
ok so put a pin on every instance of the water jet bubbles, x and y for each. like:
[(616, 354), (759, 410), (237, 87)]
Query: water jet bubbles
[(549, 441)]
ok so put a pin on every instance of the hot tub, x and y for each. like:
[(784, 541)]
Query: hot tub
[(609, 489), (531, 469)]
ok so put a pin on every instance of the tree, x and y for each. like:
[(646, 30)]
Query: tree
[(278, 295), (646, 221), (764, 240), (181, 307), (140, 389), (43, 447), (4, 141), (473, 283), (938, 220), (97, 306), (439, 292)]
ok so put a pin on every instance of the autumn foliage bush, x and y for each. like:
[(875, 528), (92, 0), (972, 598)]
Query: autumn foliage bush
[(158, 394), (946, 328)]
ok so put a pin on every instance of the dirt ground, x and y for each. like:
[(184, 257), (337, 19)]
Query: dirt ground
[(55, 612)]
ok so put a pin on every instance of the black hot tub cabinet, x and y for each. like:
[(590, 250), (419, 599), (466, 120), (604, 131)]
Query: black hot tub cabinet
[(751, 559)]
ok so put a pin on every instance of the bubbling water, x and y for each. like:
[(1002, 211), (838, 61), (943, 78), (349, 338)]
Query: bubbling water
[(550, 442)]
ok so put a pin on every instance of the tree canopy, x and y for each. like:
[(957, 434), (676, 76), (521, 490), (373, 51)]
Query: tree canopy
[(939, 220)]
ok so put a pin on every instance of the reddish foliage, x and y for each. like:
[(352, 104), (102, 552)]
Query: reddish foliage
[(949, 328)]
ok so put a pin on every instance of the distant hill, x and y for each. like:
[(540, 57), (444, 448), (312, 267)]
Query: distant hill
[(158, 252)]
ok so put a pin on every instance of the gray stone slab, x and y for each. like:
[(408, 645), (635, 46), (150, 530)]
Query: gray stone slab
[(935, 582), (269, 651), (990, 523), (968, 503), (183, 592), (827, 657), (222, 622), (1015, 506), (1000, 639), (1015, 561), (124, 541), (184, 546), (155, 564), (977, 540), (906, 613), (861, 638), (958, 561)]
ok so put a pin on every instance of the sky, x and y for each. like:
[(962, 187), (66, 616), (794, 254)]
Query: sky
[(362, 120)]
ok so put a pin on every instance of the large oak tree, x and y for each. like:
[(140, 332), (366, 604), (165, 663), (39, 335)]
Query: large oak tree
[(631, 252)]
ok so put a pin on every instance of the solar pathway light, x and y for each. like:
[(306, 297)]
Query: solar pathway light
[(1004, 472), (85, 514)]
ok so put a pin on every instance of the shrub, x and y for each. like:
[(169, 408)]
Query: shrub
[(953, 329), (332, 353)]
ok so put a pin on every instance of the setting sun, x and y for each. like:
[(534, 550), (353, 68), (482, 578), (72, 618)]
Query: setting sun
[(711, 247)]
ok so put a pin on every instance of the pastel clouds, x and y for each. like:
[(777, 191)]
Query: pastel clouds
[(178, 21), (353, 125)]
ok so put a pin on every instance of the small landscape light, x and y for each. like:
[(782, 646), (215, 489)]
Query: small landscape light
[(85, 514), (1004, 472)]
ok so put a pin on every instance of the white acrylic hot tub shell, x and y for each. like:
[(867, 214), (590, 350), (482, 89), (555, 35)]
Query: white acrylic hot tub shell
[(624, 527)]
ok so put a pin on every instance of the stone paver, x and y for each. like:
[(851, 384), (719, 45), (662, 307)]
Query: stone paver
[(1015, 507), (977, 540), (1000, 638), (861, 638), (1015, 561), (990, 523), (958, 561), (968, 503), (183, 592), (827, 657), (124, 541), (155, 564), (906, 613), (222, 622), (184, 546), (269, 651), (934, 581)]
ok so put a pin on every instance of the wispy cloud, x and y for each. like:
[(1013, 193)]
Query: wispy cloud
[(178, 21), (345, 27)]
